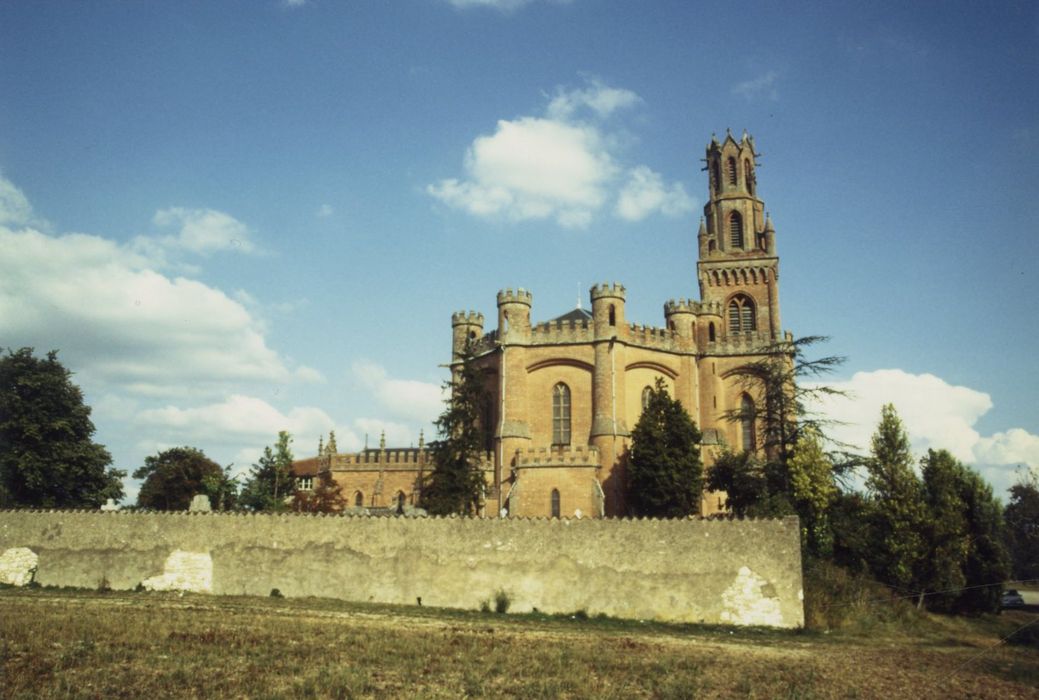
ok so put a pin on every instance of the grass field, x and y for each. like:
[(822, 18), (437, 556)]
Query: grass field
[(92, 644)]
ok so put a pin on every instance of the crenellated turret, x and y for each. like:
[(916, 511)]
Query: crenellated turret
[(466, 327), (681, 319), (514, 315), (608, 309)]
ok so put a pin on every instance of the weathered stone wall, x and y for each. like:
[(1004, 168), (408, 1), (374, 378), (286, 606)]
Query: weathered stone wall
[(738, 572)]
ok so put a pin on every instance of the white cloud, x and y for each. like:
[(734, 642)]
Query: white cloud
[(533, 168), (203, 230), (235, 417), (397, 434), (645, 193), (762, 86), (602, 99), (500, 5), (324, 211), (936, 415), (15, 209), (407, 399), (294, 3), (120, 322), (557, 166)]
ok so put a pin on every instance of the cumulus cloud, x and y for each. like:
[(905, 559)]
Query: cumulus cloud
[(15, 209), (936, 415), (500, 5), (762, 86), (407, 399), (560, 166), (645, 193), (203, 231), (237, 416), (119, 321)]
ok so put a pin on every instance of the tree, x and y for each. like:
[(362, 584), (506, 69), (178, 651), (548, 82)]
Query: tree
[(326, 497), (270, 482), (1022, 521), (813, 490), (222, 489), (456, 483), (753, 488), (47, 457), (665, 474), (897, 507), (175, 476)]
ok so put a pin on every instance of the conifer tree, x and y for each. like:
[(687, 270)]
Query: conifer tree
[(896, 505), (270, 482), (456, 483), (47, 456), (665, 474)]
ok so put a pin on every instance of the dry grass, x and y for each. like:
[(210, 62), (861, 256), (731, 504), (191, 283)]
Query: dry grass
[(80, 644)]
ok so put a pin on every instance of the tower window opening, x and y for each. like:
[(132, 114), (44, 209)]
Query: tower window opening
[(747, 412), (748, 175), (613, 315), (358, 499), (647, 394), (733, 177), (741, 315), (555, 503), (560, 415), (710, 332), (716, 176), (400, 501), (735, 230)]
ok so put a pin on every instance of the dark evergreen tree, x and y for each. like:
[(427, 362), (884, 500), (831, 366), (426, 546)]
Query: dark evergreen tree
[(175, 476), (47, 457), (754, 488), (270, 484), (456, 484), (665, 474), (1022, 520), (897, 510)]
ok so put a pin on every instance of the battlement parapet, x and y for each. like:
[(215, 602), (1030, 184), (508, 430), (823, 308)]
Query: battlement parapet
[(740, 344), (520, 296), (467, 318), (391, 458), (575, 456), (572, 331), (604, 290), (485, 343), (652, 337), (681, 306)]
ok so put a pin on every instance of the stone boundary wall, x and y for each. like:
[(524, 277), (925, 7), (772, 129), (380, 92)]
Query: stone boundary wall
[(744, 572)]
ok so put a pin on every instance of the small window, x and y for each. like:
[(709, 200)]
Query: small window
[(747, 413), (748, 175), (647, 394), (305, 483), (472, 335), (733, 177), (400, 501), (613, 316), (555, 503), (716, 177), (359, 499), (561, 414), (735, 230), (710, 331)]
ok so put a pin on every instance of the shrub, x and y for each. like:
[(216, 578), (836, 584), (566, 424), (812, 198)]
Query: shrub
[(275, 593), (502, 602)]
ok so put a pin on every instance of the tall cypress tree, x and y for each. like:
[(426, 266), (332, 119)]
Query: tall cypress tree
[(456, 484), (665, 474)]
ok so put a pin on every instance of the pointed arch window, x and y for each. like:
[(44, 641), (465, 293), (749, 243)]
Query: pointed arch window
[(716, 179), (735, 230), (747, 413), (733, 176), (400, 501), (647, 394), (710, 332), (561, 414), (555, 503), (748, 175), (742, 318), (358, 499)]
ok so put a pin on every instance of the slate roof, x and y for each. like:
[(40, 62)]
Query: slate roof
[(573, 315)]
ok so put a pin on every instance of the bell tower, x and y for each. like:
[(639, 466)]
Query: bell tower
[(738, 268)]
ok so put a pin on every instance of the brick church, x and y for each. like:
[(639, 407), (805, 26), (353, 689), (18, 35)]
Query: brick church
[(567, 391)]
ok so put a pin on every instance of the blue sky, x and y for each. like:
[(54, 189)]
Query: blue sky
[(238, 217)]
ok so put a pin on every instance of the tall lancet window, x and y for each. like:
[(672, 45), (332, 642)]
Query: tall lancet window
[(747, 412), (741, 315), (733, 175), (561, 414), (735, 230)]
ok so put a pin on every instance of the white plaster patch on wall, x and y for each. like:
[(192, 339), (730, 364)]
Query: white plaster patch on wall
[(18, 566), (751, 600), (184, 571)]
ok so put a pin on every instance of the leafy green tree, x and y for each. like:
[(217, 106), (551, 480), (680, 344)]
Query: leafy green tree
[(1022, 520), (326, 497), (222, 489), (47, 456), (270, 482), (988, 562), (456, 483), (173, 477), (754, 488), (665, 474), (813, 490), (897, 506)]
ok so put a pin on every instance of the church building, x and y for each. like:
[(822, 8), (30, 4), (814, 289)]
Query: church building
[(566, 392)]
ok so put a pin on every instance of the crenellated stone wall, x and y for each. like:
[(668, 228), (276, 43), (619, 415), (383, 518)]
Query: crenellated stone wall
[(745, 572)]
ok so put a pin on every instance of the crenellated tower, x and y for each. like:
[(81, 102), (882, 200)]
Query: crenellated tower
[(738, 269)]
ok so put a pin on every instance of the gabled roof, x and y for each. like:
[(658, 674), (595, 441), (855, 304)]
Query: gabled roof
[(573, 315)]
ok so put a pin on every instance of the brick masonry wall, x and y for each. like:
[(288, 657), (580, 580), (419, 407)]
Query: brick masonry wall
[(737, 572)]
